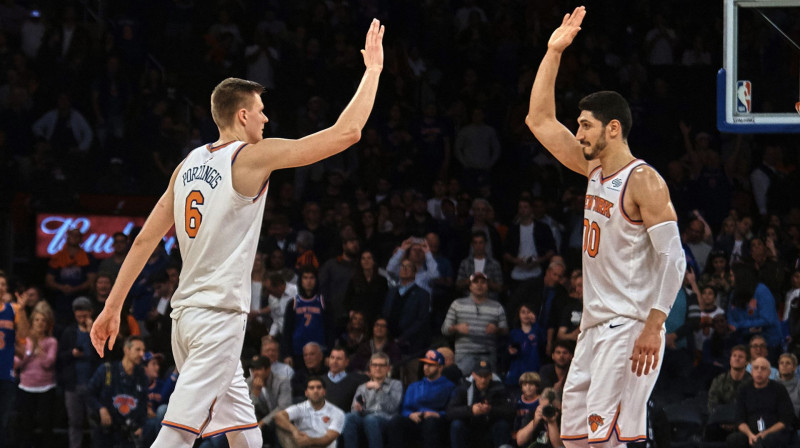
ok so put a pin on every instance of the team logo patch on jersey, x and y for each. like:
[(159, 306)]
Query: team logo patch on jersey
[(595, 421), (125, 404), (531, 337), (326, 419)]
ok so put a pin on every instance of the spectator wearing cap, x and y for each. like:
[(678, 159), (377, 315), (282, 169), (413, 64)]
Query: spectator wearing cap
[(424, 405), (476, 321), (77, 360), (480, 411), (270, 394), (480, 261), (375, 402), (416, 251), (335, 275)]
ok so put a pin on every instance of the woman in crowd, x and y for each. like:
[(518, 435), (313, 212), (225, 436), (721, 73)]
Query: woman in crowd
[(37, 384)]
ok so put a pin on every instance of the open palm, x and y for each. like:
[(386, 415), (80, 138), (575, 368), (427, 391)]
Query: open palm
[(373, 47), (563, 35)]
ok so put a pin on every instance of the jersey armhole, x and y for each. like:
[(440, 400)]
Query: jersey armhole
[(637, 222)]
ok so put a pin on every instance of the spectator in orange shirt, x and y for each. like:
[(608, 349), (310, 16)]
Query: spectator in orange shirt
[(71, 273)]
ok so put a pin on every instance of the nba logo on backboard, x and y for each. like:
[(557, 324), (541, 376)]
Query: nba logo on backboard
[(743, 97)]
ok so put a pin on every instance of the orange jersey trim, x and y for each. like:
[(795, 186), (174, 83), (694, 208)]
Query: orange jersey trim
[(232, 428), (591, 173), (583, 436), (217, 148), (179, 426), (263, 189), (610, 429), (628, 439)]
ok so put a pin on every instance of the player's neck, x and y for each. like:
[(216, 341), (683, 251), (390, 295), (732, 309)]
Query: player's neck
[(614, 158), (229, 135)]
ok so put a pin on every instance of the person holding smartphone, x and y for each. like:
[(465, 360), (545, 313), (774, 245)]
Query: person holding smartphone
[(375, 402)]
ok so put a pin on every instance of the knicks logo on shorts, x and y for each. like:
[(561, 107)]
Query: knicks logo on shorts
[(595, 421), (125, 404)]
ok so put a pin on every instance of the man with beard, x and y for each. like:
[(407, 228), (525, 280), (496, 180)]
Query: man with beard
[(335, 275), (316, 422), (632, 258), (423, 411)]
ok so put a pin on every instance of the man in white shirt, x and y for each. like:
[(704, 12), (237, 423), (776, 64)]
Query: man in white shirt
[(280, 293), (313, 422), (271, 348)]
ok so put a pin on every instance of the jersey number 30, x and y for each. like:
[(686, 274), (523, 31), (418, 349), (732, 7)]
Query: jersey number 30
[(192, 214), (591, 237)]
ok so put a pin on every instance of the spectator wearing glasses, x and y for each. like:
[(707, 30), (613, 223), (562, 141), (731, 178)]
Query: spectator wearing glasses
[(375, 402), (759, 349), (476, 322)]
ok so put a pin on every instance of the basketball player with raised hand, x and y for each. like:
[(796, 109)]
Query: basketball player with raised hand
[(633, 262), (215, 199)]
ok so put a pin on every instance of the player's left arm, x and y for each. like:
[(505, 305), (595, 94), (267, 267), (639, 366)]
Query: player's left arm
[(650, 194), (106, 326)]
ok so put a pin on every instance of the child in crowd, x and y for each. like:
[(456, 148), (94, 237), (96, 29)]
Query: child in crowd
[(524, 345)]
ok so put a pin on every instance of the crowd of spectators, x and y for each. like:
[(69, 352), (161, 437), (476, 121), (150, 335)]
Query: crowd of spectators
[(430, 275)]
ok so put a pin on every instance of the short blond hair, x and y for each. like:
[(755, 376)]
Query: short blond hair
[(447, 353), (231, 95), (791, 357)]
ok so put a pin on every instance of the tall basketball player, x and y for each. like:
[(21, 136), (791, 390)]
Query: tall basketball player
[(215, 199), (633, 262)]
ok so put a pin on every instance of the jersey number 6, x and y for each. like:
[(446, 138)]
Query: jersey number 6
[(192, 214), (591, 237)]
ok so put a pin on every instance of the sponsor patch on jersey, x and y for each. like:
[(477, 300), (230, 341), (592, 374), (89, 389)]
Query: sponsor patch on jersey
[(616, 183), (595, 421)]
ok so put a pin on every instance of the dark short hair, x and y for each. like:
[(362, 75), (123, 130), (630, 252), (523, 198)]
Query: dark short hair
[(315, 378), (566, 345), (479, 234), (276, 279), (131, 339), (231, 95), (608, 105), (741, 348), (340, 348)]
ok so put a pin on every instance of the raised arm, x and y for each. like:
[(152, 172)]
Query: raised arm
[(273, 154), (541, 117), (106, 327)]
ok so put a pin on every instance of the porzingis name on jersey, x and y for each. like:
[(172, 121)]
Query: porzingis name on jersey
[(204, 173), (598, 204)]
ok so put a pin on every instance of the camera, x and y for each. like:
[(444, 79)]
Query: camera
[(549, 411)]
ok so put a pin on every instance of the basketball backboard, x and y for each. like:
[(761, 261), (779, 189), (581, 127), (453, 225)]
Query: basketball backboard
[(759, 84)]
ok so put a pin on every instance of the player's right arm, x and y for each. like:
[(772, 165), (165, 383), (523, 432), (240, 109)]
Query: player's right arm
[(106, 327), (541, 118), (273, 154)]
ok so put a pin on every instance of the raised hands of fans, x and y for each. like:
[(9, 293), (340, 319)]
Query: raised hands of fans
[(373, 46), (563, 35)]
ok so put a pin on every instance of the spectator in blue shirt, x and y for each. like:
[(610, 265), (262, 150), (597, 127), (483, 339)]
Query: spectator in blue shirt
[(422, 416)]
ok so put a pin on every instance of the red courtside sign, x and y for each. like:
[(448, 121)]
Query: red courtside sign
[(98, 231)]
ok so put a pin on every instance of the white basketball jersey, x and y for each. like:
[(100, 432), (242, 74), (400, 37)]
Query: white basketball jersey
[(619, 262), (217, 230)]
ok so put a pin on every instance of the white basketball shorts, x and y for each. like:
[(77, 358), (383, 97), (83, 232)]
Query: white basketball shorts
[(602, 397), (210, 396)]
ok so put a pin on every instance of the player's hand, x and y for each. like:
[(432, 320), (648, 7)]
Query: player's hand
[(105, 328), (373, 47), (563, 35), (645, 351)]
